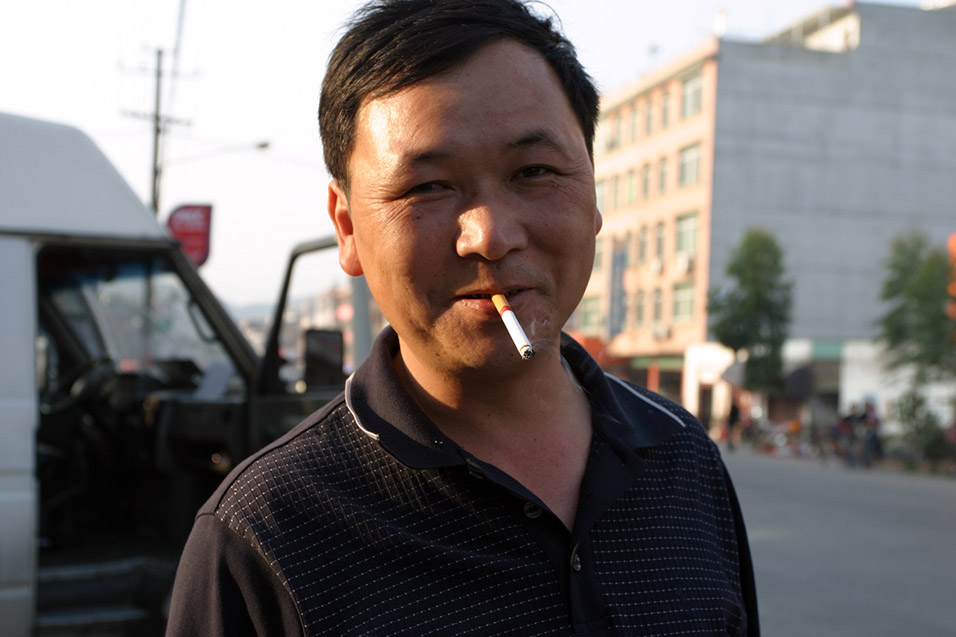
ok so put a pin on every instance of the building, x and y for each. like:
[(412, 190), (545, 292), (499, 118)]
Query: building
[(836, 135)]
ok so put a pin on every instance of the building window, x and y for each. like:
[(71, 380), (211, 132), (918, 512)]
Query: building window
[(648, 117), (625, 246), (646, 181), (691, 96), (658, 306), (614, 134), (659, 242), (590, 314), (665, 107), (662, 175), (684, 302), (599, 194), (631, 187), (689, 171), (686, 240), (642, 245), (598, 254), (639, 308), (600, 136), (635, 121)]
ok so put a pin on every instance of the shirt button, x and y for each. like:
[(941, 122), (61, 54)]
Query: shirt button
[(532, 510), (576, 559), (576, 562)]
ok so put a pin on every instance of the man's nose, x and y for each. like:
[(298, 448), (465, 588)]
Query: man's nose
[(491, 228)]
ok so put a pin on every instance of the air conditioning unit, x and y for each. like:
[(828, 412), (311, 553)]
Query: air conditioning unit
[(684, 263), (661, 332), (657, 266)]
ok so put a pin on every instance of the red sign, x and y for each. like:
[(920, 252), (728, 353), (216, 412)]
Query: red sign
[(190, 226)]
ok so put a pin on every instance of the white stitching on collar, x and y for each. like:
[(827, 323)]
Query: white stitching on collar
[(348, 403), (647, 400)]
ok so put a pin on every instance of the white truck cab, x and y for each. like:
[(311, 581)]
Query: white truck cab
[(126, 392)]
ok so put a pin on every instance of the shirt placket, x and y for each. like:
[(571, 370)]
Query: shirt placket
[(609, 474)]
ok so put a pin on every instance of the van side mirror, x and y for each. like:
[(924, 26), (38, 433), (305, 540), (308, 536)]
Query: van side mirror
[(324, 355)]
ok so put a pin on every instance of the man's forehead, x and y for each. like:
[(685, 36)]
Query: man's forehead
[(401, 80), (505, 79), (508, 46)]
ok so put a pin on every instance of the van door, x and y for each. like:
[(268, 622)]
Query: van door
[(142, 404), (319, 334)]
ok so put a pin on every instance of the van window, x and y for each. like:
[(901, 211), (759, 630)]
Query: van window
[(133, 310)]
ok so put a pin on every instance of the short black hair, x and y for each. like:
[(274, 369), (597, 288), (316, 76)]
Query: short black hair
[(392, 44)]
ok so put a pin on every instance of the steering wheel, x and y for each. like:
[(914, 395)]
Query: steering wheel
[(77, 386)]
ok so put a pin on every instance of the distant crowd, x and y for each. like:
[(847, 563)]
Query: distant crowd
[(855, 438)]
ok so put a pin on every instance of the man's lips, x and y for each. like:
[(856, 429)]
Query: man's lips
[(481, 295)]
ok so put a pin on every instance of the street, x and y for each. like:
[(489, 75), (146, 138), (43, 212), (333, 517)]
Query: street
[(842, 552)]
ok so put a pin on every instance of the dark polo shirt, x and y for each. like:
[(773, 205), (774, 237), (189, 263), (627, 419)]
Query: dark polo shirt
[(366, 520)]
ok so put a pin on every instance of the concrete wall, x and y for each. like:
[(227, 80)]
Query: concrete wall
[(836, 154)]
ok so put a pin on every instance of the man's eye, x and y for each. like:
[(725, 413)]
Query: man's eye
[(533, 171), (424, 189)]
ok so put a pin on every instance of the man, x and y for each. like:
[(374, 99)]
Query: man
[(455, 488), (732, 419)]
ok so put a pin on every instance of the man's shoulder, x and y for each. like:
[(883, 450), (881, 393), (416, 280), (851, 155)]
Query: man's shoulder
[(655, 417), (635, 414), (676, 450), (665, 407), (311, 450)]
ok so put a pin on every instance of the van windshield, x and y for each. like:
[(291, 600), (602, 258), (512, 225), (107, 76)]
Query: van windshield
[(135, 311)]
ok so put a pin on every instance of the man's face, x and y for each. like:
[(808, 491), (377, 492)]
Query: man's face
[(472, 182)]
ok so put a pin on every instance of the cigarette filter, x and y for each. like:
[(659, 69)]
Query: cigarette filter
[(514, 327)]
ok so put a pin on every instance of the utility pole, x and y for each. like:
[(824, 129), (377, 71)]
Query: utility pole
[(157, 131), (159, 123)]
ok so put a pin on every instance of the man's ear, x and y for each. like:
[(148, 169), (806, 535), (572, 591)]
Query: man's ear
[(344, 232)]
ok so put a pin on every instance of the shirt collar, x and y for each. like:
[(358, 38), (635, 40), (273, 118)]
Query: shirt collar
[(626, 416)]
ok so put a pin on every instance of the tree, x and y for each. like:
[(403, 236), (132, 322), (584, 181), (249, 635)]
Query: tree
[(916, 330), (922, 432), (753, 314)]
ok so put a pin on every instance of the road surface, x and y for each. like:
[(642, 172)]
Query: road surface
[(848, 552)]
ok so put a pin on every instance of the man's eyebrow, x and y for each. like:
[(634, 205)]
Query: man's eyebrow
[(428, 157), (540, 138), (534, 138)]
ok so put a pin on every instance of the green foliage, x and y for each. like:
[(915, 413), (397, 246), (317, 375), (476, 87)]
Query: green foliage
[(921, 429), (753, 314), (915, 329)]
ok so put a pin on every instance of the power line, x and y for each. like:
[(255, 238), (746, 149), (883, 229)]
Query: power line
[(174, 74)]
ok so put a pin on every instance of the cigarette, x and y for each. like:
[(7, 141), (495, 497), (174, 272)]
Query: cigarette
[(514, 327)]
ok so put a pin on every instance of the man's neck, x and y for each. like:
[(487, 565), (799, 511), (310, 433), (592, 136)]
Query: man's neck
[(534, 424)]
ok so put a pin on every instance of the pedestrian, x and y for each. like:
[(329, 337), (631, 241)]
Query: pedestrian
[(459, 486), (847, 429), (872, 445), (732, 419)]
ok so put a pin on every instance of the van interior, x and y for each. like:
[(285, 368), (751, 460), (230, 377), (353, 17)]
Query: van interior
[(126, 360)]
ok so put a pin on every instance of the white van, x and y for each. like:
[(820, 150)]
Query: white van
[(126, 392)]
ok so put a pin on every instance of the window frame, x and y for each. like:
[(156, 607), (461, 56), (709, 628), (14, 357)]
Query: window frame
[(688, 171)]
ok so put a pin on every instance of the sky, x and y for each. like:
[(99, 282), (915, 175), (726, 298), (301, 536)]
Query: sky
[(249, 72)]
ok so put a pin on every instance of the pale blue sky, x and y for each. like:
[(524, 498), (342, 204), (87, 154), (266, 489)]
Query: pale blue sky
[(251, 71)]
